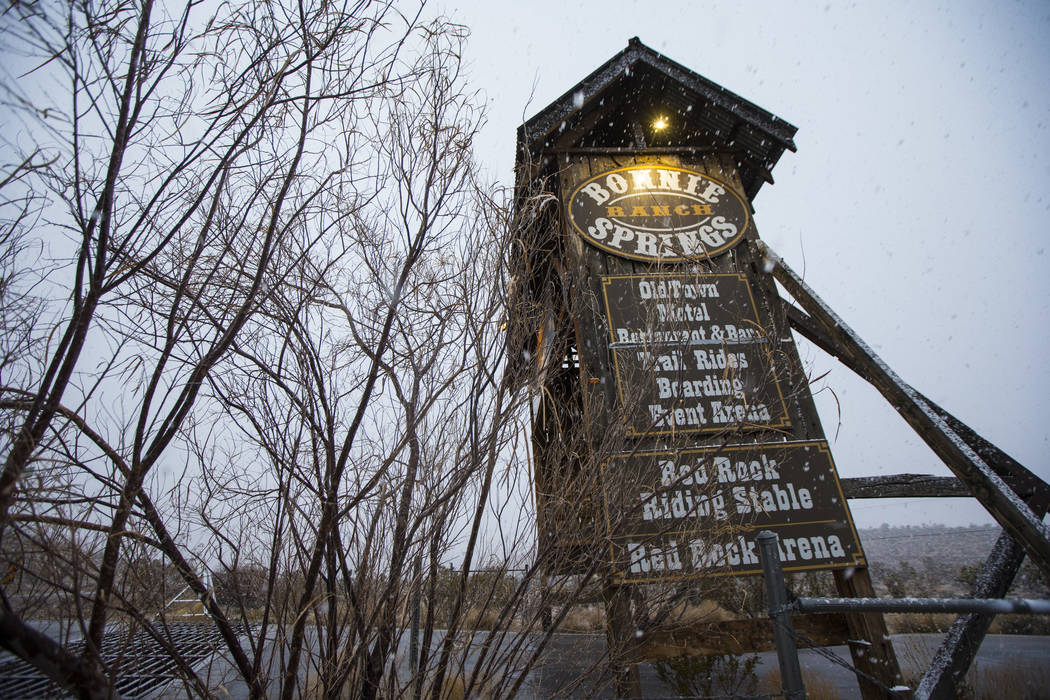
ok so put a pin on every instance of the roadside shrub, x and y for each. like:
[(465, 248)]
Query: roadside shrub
[(700, 676)]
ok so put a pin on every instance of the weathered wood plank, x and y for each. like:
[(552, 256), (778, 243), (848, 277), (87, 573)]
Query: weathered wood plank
[(904, 486)]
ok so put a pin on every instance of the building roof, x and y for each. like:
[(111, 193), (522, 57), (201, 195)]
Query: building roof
[(612, 107)]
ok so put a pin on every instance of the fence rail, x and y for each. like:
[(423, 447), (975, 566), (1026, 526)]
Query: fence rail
[(991, 606)]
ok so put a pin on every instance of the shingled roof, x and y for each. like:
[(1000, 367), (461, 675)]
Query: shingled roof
[(606, 109)]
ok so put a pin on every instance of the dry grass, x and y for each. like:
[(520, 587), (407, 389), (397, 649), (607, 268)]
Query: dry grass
[(903, 623), (454, 688), (685, 613), (480, 619), (1015, 682), (313, 689), (186, 611), (1020, 624), (583, 618)]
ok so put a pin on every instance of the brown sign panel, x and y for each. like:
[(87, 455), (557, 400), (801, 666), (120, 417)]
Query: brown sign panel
[(690, 355), (696, 512), (658, 213)]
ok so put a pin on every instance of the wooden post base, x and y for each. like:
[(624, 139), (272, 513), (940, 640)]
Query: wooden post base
[(869, 643), (620, 631)]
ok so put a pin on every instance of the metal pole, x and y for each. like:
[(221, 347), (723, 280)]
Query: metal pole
[(783, 634), (988, 606)]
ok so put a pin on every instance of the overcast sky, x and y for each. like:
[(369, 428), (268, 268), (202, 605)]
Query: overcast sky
[(917, 204)]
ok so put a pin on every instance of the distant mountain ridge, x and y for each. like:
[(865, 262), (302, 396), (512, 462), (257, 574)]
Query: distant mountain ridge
[(953, 546)]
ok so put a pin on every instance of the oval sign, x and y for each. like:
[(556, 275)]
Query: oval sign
[(658, 213)]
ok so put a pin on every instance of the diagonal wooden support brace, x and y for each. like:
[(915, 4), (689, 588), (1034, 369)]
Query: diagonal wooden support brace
[(1015, 516), (1024, 483)]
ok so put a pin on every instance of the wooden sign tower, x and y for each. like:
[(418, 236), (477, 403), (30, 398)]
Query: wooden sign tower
[(672, 419)]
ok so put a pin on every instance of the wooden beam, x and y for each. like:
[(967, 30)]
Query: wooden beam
[(989, 488), (731, 637), (876, 658), (620, 634), (904, 486)]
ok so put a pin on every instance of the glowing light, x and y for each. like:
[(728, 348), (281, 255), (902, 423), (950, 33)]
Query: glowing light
[(660, 124)]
